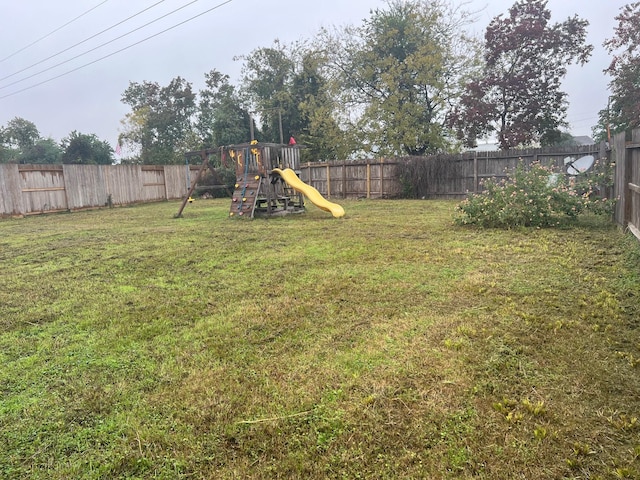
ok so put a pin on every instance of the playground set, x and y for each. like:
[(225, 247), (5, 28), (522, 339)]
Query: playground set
[(267, 182)]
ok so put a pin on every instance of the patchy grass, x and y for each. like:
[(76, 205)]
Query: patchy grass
[(387, 344)]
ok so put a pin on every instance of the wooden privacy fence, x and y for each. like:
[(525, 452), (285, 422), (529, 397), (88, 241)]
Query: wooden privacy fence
[(353, 179), (29, 189), (450, 176), (627, 181)]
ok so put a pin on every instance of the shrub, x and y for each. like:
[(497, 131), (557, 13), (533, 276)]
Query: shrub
[(536, 197)]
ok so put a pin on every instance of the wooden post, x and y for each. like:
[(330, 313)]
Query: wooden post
[(619, 156), (631, 153), (205, 160), (164, 179), (328, 180), (368, 179), (344, 179), (66, 193), (475, 172), (382, 178)]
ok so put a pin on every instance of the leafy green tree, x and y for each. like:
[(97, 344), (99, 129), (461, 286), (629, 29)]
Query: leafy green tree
[(17, 137), (315, 124), (518, 96), (400, 72), (289, 89), (5, 153), (135, 134), (79, 148), (160, 126), (623, 112), (266, 83), (20, 133), (221, 118), (45, 150)]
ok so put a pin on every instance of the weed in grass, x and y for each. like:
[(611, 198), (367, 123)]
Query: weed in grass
[(626, 472), (536, 409), (540, 433), (625, 422)]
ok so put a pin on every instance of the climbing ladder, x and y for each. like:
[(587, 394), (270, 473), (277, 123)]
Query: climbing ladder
[(245, 196)]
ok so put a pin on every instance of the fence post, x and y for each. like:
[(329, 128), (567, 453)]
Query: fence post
[(475, 171), (620, 154), (328, 180), (631, 152), (368, 178), (382, 178), (164, 179), (344, 179)]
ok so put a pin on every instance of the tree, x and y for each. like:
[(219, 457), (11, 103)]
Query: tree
[(5, 153), (316, 124), (86, 149), (20, 133), (17, 137), (400, 71), (160, 125), (221, 118), (518, 95), (623, 112), (288, 88), (266, 82), (45, 150)]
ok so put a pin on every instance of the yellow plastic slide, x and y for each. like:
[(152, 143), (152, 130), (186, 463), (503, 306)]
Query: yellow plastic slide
[(311, 193)]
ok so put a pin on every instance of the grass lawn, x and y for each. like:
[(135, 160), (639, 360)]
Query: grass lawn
[(388, 344)]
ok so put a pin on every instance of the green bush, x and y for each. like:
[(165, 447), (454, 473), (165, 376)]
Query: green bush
[(537, 197)]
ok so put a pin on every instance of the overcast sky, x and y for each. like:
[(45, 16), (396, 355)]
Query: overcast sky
[(88, 100)]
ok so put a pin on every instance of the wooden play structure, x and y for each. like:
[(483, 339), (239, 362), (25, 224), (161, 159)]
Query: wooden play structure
[(267, 180), (258, 189)]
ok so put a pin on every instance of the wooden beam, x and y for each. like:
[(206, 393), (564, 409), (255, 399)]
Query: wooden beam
[(475, 172), (368, 179), (344, 179), (382, 178), (43, 189), (328, 180), (205, 161)]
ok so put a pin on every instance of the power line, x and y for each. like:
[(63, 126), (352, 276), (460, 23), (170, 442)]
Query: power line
[(98, 47), (117, 51), (52, 32), (80, 43)]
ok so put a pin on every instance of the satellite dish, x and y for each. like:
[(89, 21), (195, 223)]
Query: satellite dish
[(581, 165)]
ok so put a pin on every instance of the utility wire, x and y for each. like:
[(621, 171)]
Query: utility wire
[(117, 51), (81, 42), (98, 47), (52, 32)]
